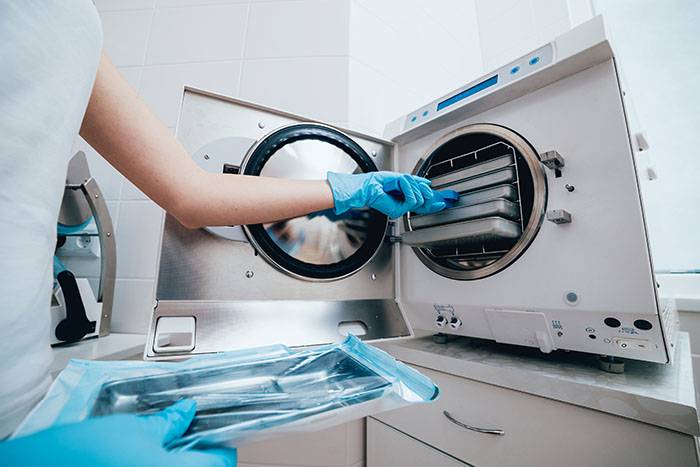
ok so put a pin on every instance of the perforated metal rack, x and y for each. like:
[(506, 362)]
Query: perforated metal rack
[(501, 203)]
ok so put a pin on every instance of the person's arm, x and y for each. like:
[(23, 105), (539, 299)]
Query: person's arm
[(121, 127)]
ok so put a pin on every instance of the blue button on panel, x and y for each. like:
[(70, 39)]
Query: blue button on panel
[(514, 70), (413, 119), (425, 113), (533, 61)]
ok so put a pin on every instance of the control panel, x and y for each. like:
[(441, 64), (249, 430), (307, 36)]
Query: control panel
[(505, 75)]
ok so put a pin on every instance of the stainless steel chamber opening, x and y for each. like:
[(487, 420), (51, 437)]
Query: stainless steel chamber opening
[(322, 245), (502, 198)]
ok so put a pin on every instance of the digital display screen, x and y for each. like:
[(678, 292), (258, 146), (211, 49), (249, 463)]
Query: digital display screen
[(468, 92)]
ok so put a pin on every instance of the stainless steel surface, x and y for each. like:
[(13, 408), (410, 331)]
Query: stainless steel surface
[(495, 207), (471, 171), (204, 275), (552, 160), (108, 252), (489, 431), (503, 243), (508, 192), (232, 325), (559, 216), (463, 233), (196, 265), (74, 208), (319, 238), (497, 177)]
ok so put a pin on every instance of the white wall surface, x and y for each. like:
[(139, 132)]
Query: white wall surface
[(658, 46), (356, 63), (404, 53), (509, 29)]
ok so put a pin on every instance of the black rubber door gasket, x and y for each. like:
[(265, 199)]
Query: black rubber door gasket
[(377, 222)]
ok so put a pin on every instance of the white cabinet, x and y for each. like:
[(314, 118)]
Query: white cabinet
[(387, 446), (338, 446), (537, 431)]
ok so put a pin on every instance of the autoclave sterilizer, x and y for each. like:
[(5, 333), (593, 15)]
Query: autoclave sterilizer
[(546, 246)]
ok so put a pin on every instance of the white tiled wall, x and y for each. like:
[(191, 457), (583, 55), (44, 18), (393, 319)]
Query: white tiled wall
[(357, 63), (404, 53), (509, 29)]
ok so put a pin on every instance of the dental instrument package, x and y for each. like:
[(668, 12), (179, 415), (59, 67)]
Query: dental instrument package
[(242, 396)]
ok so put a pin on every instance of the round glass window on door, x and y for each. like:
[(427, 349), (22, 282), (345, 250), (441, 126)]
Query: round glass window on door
[(502, 198), (321, 246)]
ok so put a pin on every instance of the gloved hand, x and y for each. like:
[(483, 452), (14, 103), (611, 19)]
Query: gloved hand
[(366, 189), (117, 440)]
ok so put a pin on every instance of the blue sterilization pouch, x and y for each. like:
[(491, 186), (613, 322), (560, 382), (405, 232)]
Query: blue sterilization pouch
[(242, 396)]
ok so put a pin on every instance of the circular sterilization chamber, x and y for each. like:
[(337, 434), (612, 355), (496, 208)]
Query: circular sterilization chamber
[(502, 198), (321, 246)]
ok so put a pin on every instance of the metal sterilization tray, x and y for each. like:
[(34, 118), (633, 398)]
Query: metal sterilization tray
[(280, 389), (496, 207), (474, 170), (490, 229), (508, 192), (496, 177)]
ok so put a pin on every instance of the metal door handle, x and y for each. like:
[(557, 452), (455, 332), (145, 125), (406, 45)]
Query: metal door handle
[(488, 431)]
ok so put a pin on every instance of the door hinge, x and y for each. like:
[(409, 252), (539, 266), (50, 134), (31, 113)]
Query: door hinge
[(393, 238)]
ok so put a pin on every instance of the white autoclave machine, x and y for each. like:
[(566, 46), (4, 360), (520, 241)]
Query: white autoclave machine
[(546, 247)]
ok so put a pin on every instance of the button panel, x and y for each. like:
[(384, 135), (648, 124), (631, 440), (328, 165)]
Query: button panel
[(635, 344), (485, 85)]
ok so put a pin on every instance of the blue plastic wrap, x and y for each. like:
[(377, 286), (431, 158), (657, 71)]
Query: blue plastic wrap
[(242, 396)]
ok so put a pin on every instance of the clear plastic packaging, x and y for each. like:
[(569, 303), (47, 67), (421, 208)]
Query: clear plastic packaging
[(243, 396)]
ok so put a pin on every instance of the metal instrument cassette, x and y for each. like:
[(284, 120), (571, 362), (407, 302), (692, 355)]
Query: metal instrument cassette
[(478, 169), (496, 207), (507, 192), (478, 182), (463, 233)]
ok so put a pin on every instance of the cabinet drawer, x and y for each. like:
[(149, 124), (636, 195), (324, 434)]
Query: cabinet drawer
[(538, 431), (389, 447)]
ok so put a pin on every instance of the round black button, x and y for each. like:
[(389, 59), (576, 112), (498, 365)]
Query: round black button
[(592, 336), (612, 322), (642, 324)]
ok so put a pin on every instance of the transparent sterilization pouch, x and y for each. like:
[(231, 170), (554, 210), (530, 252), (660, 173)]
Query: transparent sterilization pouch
[(242, 396)]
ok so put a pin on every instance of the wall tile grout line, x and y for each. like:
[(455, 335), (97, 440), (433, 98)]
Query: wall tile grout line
[(245, 46), (148, 41)]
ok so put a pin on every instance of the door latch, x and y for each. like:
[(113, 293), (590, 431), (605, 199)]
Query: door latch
[(553, 161), (559, 216)]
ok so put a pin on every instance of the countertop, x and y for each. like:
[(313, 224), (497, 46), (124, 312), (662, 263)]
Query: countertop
[(113, 347), (658, 394)]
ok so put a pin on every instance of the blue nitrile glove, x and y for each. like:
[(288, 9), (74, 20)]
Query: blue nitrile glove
[(367, 189), (116, 440)]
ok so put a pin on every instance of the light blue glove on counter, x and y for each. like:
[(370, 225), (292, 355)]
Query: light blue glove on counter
[(117, 440), (366, 189)]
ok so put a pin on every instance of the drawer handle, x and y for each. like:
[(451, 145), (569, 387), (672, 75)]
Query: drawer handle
[(472, 428)]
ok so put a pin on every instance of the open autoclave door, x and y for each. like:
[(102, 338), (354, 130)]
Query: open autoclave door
[(304, 281), (546, 246)]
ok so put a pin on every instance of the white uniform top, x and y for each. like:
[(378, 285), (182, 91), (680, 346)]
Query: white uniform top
[(49, 52)]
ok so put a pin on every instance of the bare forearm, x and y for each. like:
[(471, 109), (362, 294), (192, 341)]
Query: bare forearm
[(121, 127), (255, 199)]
